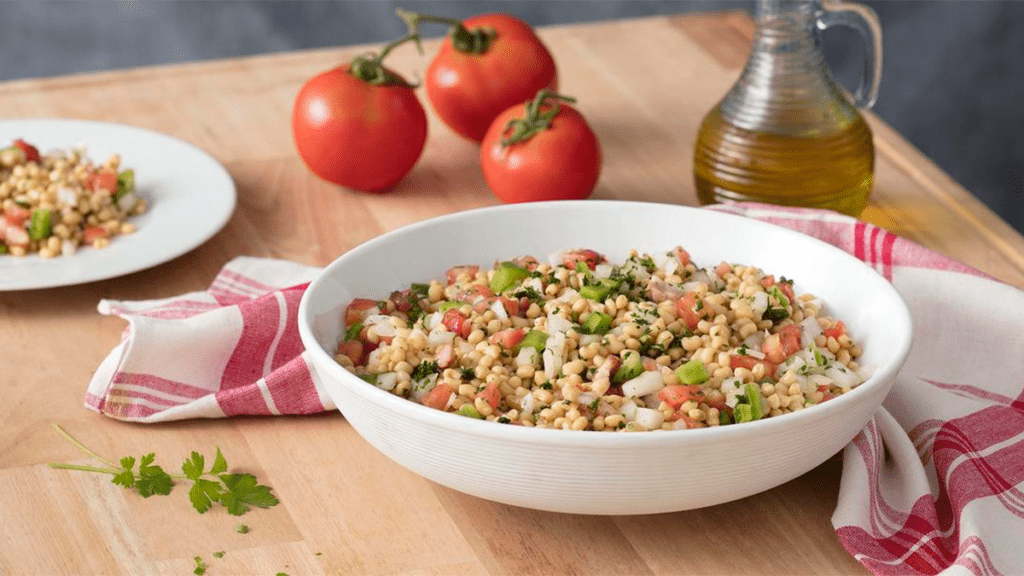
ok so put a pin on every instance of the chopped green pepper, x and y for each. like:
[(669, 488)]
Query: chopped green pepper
[(353, 331), (3, 248), (742, 413), (631, 367), (774, 291), (597, 323), (469, 411), (693, 372), (598, 292), (753, 393), (775, 314), (446, 306), (506, 276), (125, 183), (41, 227), (534, 339)]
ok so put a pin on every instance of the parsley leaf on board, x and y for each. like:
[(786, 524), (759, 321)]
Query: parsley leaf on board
[(236, 492)]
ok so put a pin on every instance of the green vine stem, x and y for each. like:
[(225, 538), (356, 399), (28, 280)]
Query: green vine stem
[(369, 67), (470, 41), (535, 120)]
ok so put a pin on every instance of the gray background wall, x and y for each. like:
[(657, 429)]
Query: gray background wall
[(952, 82)]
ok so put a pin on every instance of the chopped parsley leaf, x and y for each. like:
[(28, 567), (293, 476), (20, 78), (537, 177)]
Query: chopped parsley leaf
[(425, 368)]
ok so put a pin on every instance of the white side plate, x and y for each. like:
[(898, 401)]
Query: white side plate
[(190, 196)]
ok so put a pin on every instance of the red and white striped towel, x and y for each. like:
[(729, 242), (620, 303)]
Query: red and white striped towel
[(934, 483)]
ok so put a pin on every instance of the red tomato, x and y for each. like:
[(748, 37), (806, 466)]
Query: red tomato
[(787, 290), (790, 339), (445, 356), (491, 394), (457, 323), (686, 310), (526, 262), (837, 330), (94, 233), (675, 394), (354, 349), (31, 152), (474, 292), (508, 338), (588, 257), (469, 90), (772, 348), (104, 181), (683, 255), (438, 397), (16, 216), (768, 280), (512, 307), (453, 273), (748, 362), (359, 310), (723, 268), (560, 162), (355, 134)]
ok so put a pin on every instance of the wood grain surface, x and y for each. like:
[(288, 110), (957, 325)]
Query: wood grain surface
[(644, 85)]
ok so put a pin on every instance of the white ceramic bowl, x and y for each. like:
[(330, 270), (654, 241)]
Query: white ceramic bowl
[(590, 472)]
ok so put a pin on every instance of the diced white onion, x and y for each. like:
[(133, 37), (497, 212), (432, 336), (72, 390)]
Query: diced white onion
[(755, 353), (603, 270), (387, 380), (759, 303), (554, 354), (586, 398), (794, 363), (671, 265), (568, 296), (534, 283), (628, 410), (421, 388), (649, 418), (809, 330), (557, 324), (651, 400), (528, 403), (440, 338), (499, 310), (732, 388), (753, 342), (693, 286), (431, 320), (588, 339), (701, 276), (464, 347), (376, 319), (842, 376), (527, 356), (67, 196), (819, 380), (126, 202), (555, 258), (383, 329), (644, 384), (373, 356)]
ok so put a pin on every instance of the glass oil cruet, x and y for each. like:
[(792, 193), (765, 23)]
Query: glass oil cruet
[(786, 133)]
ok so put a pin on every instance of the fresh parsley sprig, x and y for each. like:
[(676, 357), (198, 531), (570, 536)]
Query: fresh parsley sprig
[(236, 492)]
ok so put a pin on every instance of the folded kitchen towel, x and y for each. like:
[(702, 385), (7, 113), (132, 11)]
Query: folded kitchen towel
[(934, 483)]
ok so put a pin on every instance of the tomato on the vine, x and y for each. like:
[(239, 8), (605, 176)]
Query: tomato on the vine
[(486, 64), (541, 150), (360, 125)]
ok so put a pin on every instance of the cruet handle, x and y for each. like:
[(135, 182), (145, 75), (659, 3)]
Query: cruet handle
[(864, 20)]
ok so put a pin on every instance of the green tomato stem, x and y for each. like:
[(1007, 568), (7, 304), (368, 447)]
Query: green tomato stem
[(369, 67), (535, 120), (475, 41)]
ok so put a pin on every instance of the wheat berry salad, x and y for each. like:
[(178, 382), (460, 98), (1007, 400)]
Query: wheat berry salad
[(52, 204), (577, 343)]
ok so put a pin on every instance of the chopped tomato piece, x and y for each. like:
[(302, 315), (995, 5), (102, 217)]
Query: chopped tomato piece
[(474, 292), (16, 215), (453, 273), (31, 152), (438, 397), (676, 394), (402, 300), (723, 268), (677, 415), (837, 330), (508, 338), (648, 364), (105, 181), (768, 280), (748, 362), (359, 310), (790, 339), (588, 257), (14, 236), (687, 312), (787, 290), (526, 262), (457, 322), (491, 394), (354, 349), (715, 400), (683, 255), (772, 348), (92, 233), (512, 307)]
